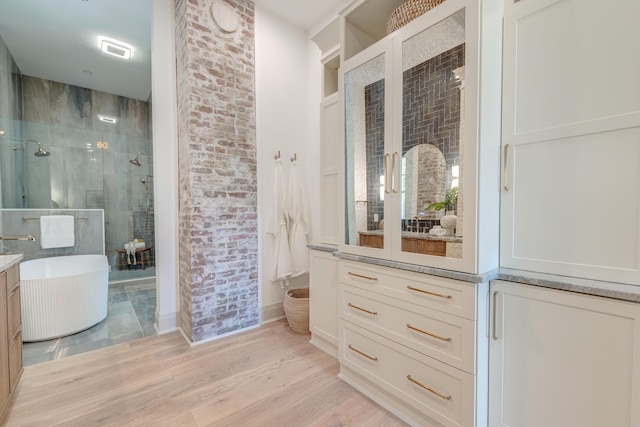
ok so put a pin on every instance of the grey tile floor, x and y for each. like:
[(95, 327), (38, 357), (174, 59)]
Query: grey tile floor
[(130, 316)]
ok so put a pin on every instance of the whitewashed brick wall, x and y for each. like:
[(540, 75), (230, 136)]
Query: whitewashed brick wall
[(217, 171)]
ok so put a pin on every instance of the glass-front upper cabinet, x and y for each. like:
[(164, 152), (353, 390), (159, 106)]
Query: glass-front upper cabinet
[(368, 181), (431, 133), (412, 141)]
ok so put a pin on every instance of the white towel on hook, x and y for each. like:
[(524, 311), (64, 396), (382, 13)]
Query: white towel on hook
[(278, 227), (57, 231), (297, 209)]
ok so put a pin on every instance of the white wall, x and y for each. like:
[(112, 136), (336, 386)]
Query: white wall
[(287, 121), (165, 155)]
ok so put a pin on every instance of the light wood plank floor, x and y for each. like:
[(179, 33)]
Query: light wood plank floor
[(265, 377)]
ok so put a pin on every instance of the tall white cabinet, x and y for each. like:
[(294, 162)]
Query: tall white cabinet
[(571, 139), (421, 115), (562, 359)]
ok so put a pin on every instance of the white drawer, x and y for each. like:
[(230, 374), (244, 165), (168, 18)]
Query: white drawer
[(440, 392), (438, 293), (448, 338)]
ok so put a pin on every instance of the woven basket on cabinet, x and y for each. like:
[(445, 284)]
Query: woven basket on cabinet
[(296, 308), (408, 11)]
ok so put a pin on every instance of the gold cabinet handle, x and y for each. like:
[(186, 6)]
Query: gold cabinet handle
[(362, 353), (411, 288), (16, 334), (413, 328), (386, 175), (393, 172), (373, 313), (14, 289), (373, 279), (505, 163), (429, 389)]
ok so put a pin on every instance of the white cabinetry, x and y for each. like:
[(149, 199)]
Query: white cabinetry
[(330, 146), (571, 135), (412, 114), (562, 359), (323, 300), (410, 341)]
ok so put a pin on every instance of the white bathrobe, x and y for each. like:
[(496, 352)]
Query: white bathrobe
[(278, 228), (297, 208)]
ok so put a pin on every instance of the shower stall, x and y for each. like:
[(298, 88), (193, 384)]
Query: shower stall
[(61, 155)]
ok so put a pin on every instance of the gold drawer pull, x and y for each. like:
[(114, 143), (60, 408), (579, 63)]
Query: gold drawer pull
[(428, 333), (429, 389), (362, 277), (361, 353), (429, 293), (14, 290), (373, 313), (17, 333)]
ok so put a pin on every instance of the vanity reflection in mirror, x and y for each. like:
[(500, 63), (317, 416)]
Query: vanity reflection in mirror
[(431, 155)]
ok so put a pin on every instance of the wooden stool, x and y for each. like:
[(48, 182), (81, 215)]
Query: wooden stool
[(143, 257)]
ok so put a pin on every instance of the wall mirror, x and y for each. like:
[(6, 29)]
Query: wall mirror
[(432, 132), (364, 153)]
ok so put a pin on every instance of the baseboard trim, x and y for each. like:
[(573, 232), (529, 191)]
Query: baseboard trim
[(166, 322), (272, 312)]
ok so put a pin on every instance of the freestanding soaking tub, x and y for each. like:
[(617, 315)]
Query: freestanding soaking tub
[(63, 295)]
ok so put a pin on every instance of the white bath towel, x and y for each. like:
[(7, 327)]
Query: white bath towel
[(296, 206), (57, 231), (277, 226)]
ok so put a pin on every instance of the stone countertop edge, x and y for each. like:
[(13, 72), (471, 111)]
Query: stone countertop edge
[(323, 248), (618, 291), (6, 261), (613, 290)]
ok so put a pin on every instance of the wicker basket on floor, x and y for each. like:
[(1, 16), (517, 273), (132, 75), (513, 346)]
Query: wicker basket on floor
[(408, 11), (296, 308)]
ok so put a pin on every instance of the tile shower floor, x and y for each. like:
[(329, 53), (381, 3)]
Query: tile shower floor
[(130, 316)]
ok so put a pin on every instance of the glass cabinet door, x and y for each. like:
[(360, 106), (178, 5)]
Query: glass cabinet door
[(367, 166), (432, 128)]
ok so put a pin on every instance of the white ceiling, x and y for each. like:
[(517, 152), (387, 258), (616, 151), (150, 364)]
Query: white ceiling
[(58, 39)]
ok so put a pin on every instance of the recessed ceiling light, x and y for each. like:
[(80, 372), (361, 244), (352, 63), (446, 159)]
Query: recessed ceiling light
[(2, 133), (107, 119), (115, 48)]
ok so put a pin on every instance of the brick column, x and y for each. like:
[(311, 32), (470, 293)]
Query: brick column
[(217, 169)]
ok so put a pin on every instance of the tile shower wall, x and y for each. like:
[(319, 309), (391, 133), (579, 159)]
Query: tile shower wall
[(88, 231), (218, 239), (10, 115), (435, 122), (79, 174)]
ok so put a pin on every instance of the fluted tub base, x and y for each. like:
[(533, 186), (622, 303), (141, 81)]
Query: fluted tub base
[(63, 295)]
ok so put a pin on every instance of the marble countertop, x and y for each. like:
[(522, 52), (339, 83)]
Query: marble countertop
[(7, 261), (619, 291)]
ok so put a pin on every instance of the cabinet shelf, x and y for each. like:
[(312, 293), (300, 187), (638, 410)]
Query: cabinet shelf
[(365, 23)]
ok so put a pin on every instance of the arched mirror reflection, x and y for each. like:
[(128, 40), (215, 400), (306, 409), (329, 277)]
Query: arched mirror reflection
[(432, 132)]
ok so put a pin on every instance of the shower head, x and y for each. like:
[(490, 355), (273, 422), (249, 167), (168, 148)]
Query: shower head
[(41, 151), (135, 161)]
